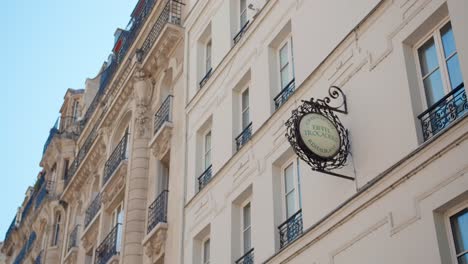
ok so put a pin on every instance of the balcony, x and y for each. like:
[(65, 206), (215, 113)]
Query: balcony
[(205, 178), (444, 112), (164, 114), (247, 258), (118, 155), (244, 136), (170, 15), (162, 128), (291, 229), (92, 210), (110, 246), (157, 211), (206, 78), (241, 32), (283, 96)]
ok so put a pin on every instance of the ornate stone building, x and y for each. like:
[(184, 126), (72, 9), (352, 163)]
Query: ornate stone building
[(176, 151)]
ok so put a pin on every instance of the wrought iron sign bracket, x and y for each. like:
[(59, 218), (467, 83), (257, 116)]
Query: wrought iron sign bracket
[(317, 135)]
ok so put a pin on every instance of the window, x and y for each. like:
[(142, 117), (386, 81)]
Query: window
[(65, 170), (439, 64), (243, 13), (206, 252), (117, 221), (76, 106), (164, 180), (56, 231), (207, 150), (245, 109), (459, 229), (286, 63), (246, 228), (208, 52), (291, 183)]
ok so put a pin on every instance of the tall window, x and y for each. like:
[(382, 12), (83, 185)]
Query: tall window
[(292, 193), (65, 170), (208, 53), (207, 150), (439, 64), (206, 251), (246, 228), (243, 13), (245, 108), (286, 63), (164, 180), (117, 219), (76, 106), (459, 228), (56, 232)]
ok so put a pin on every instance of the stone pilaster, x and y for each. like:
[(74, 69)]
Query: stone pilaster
[(137, 180)]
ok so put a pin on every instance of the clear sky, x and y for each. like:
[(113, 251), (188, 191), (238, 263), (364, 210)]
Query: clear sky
[(46, 47)]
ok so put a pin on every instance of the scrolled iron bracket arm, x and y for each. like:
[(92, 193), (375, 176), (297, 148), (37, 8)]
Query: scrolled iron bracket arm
[(335, 93)]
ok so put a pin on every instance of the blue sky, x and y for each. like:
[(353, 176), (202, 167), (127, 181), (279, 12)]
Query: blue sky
[(47, 46)]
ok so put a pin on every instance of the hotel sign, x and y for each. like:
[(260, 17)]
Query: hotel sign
[(318, 136)]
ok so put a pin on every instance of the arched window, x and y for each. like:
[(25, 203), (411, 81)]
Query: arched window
[(56, 230)]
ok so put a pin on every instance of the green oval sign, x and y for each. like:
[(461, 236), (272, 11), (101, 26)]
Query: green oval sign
[(319, 135)]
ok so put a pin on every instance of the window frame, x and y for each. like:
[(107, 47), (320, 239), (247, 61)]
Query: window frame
[(75, 109), (243, 12), (208, 55), (243, 227), (295, 163), (57, 228), (448, 215), (288, 41), (203, 247), (241, 101), (210, 151), (436, 36)]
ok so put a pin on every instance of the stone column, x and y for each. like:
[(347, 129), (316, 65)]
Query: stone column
[(137, 177)]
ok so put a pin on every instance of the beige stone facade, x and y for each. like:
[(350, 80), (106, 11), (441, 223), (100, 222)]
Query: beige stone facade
[(176, 151)]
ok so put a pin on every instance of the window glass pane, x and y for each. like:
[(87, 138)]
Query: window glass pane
[(206, 251), (428, 57), (459, 224), (284, 55), (290, 204), (284, 77), (447, 40), (433, 87), (245, 99), (289, 178), (245, 119), (246, 215), (453, 66), (247, 240)]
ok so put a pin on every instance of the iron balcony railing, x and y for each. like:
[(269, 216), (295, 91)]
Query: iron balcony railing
[(26, 248), (444, 112), (109, 246), (241, 32), (38, 259), (206, 78), (244, 136), (205, 178), (92, 210), (172, 13), (157, 211), (247, 258), (164, 114), (118, 155), (283, 96), (73, 238), (291, 229)]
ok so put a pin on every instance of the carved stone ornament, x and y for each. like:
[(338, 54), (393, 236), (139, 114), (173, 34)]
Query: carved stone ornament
[(141, 119), (156, 246)]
